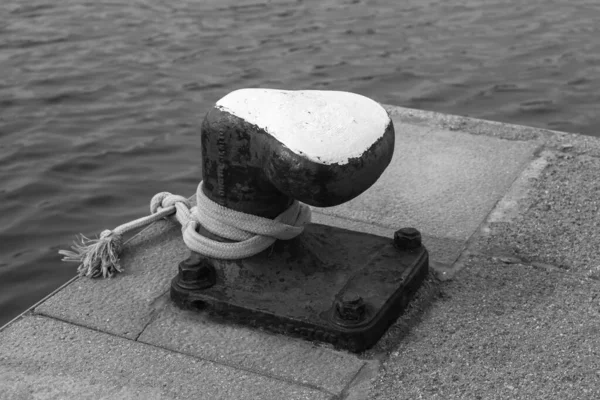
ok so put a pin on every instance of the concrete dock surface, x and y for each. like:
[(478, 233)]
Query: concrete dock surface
[(511, 309)]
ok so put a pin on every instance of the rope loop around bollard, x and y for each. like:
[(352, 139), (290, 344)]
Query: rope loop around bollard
[(250, 234)]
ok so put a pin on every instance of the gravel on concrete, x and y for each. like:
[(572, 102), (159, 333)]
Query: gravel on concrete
[(500, 331), (557, 223)]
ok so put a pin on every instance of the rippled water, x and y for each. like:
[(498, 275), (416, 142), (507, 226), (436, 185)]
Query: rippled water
[(100, 101)]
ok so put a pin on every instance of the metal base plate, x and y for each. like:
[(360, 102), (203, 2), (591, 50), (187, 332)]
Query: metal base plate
[(298, 287)]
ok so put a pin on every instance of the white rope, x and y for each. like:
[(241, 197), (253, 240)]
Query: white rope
[(250, 234)]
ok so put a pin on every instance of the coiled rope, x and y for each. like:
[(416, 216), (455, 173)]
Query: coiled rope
[(250, 234)]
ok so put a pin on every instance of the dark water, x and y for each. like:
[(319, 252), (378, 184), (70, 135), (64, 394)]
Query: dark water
[(100, 101)]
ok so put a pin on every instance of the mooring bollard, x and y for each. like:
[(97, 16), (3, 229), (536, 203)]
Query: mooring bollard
[(264, 152), (255, 257)]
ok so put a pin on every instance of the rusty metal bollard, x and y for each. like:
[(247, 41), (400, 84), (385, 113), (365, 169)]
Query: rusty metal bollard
[(262, 149)]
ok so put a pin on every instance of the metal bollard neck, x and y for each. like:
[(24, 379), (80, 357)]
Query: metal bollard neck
[(233, 168)]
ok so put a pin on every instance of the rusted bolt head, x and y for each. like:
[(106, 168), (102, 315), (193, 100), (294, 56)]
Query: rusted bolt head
[(351, 307), (196, 272), (407, 238)]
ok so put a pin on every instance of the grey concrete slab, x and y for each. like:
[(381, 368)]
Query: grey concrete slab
[(273, 355), (125, 304), (552, 217), (555, 140), (500, 331), (44, 358), (442, 182)]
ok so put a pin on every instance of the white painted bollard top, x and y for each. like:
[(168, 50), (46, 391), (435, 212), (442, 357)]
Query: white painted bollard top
[(327, 127)]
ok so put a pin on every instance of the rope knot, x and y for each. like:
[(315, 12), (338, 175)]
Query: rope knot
[(164, 200), (247, 234)]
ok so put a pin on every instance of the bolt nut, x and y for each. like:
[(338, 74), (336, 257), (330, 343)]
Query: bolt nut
[(407, 239), (351, 307), (196, 272)]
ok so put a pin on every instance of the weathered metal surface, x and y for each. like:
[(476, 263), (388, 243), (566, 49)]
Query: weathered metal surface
[(329, 284), (196, 272), (407, 239)]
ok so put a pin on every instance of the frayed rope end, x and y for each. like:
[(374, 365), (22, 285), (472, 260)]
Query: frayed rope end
[(96, 257)]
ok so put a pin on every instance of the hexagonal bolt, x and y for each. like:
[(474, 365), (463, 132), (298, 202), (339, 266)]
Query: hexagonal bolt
[(407, 239), (193, 260), (196, 272), (351, 307)]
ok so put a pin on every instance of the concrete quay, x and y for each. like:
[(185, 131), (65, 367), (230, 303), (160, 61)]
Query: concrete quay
[(511, 217)]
